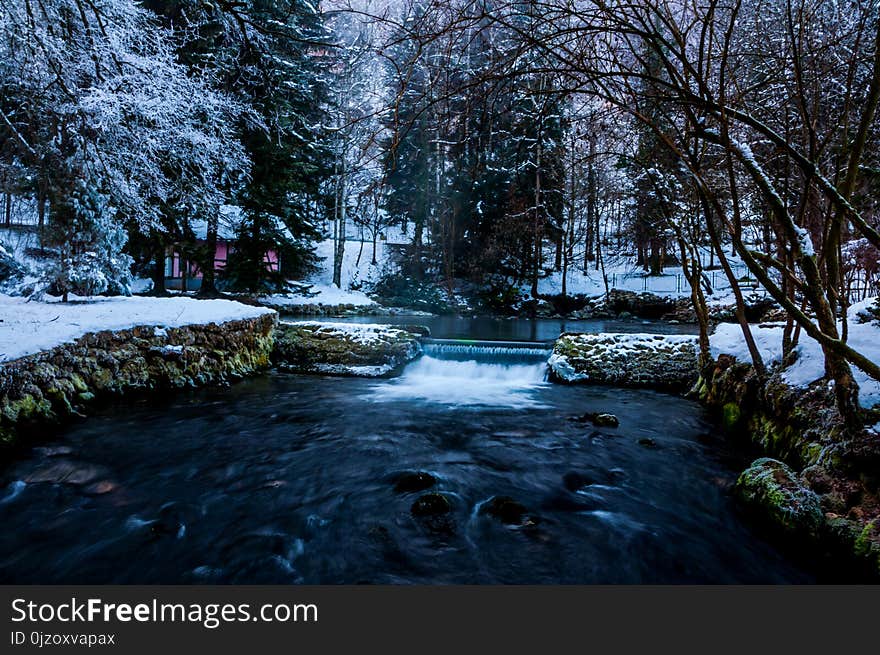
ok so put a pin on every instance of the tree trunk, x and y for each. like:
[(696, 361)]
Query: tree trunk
[(208, 287)]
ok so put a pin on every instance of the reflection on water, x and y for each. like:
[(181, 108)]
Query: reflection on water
[(521, 329)]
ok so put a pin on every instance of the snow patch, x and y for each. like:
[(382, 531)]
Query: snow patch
[(322, 294), (810, 363)]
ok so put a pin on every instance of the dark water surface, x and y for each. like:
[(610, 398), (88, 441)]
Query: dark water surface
[(290, 479), (520, 329)]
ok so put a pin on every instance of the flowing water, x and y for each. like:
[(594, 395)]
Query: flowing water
[(293, 479)]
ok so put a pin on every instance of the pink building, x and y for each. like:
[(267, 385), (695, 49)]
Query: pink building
[(184, 274)]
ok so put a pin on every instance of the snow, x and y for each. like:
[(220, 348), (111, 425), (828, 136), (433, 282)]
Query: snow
[(624, 275), (805, 241), (728, 340), (354, 272), (357, 269), (27, 327), (361, 332), (810, 363), (324, 294)]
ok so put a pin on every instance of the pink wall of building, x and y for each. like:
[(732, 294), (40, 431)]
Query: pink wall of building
[(175, 264)]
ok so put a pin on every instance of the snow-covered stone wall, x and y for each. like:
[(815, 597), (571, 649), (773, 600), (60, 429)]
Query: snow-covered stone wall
[(632, 360), (63, 381), (363, 350)]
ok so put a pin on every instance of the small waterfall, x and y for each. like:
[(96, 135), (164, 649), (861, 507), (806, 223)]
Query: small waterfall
[(477, 373), (498, 352)]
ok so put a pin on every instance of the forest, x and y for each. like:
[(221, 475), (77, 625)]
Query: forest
[(506, 140)]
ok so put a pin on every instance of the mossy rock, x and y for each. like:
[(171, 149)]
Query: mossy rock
[(327, 348), (772, 491)]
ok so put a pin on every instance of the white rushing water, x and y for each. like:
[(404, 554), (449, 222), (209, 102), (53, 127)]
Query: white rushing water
[(475, 375)]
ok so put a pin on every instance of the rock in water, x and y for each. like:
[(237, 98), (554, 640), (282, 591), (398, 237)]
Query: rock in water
[(414, 481), (363, 350), (433, 513), (432, 504), (574, 481), (772, 491), (505, 509), (606, 420), (599, 419)]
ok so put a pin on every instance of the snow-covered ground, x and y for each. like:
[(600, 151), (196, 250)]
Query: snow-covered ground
[(320, 294), (361, 332), (357, 269), (810, 364), (28, 327), (624, 275)]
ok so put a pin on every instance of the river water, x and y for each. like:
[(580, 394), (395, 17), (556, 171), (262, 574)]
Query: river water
[(293, 479)]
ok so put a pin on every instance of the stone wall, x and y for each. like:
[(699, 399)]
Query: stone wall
[(344, 349), (55, 384), (632, 360)]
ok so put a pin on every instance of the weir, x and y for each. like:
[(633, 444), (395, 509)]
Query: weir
[(466, 372), (498, 352)]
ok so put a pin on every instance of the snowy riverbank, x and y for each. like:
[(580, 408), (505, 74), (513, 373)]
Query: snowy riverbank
[(28, 327)]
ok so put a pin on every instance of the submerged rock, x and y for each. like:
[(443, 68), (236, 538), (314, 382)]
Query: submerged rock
[(508, 511), (433, 511), (773, 492), (432, 504), (574, 481), (647, 442), (414, 481)]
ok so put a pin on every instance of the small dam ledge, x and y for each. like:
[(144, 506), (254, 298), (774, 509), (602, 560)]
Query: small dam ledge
[(360, 350), (667, 362)]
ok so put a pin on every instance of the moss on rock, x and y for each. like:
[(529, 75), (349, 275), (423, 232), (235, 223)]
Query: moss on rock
[(632, 360), (773, 491), (344, 349)]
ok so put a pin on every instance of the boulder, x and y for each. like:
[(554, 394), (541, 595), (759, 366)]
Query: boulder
[(411, 481), (599, 419), (508, 511), (773, 493), (432, 504)]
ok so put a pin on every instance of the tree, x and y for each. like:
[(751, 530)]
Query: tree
[(112, 128)]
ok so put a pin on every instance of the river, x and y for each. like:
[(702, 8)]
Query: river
[(286, 478)]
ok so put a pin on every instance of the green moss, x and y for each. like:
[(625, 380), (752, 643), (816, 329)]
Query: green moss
[(868, 539), (78, 383), (773, 492), (730, 415)]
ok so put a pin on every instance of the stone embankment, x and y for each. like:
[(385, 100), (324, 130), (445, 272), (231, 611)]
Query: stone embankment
[(52, 385), (819, 484), (632, 360)]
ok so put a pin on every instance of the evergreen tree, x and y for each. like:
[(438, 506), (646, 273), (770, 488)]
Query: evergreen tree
[(269, 54)]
